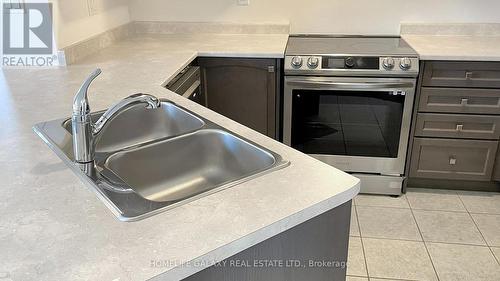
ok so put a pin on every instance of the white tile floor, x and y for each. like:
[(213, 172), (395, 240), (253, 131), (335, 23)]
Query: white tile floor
[(425, 235)]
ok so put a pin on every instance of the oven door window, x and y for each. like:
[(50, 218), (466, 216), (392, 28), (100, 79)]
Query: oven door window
[(353, 123)]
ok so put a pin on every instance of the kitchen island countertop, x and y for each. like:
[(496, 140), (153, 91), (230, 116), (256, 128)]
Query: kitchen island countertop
[(54, 228)]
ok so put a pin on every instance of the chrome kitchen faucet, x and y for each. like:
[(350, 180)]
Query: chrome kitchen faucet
[(85, 133)]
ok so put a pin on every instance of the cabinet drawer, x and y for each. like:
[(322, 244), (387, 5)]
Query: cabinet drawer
[(478, 101), (462, 74), (453, 159), (458, 126)]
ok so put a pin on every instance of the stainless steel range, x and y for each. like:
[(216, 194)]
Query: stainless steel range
[(348, 102)]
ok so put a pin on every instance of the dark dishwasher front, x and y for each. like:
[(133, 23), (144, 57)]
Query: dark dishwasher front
[(188, 84)]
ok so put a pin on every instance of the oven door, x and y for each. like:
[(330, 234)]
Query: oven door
[(354, 124)]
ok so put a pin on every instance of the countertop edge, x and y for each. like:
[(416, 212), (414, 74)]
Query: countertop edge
[(198, 54), (164, 83), (271, 55), (183, 271)]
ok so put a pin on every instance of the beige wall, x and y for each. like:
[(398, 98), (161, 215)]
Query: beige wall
[(74, 24), (321, 16)]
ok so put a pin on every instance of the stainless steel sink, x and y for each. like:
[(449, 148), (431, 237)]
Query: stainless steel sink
[(176, 169), (151, 160), (136, 125)]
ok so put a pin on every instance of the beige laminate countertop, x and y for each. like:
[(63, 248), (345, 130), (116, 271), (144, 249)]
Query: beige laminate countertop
[(53, 228), (455, 47)]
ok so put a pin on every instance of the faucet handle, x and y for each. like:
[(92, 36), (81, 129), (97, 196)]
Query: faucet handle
[(80, 102)]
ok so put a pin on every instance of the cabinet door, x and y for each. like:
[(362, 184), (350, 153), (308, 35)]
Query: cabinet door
[(462, 74), (496, 173), (453, 159), (242, 89)]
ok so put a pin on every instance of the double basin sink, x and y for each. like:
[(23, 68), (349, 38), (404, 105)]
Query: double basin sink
[(151, 160)]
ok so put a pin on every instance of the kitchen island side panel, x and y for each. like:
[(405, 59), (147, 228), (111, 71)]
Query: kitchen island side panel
[(319, 245)]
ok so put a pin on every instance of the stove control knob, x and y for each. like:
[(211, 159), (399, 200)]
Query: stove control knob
[(405, 64), (388, 63), (297, 62), (349, 62), (312, 62)]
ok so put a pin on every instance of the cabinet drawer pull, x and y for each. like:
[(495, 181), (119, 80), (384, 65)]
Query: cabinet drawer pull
[(468, 75), (460, 127), (453, 160), (464, 101)]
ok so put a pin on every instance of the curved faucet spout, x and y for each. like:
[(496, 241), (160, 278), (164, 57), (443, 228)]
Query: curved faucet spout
[(150, 101), (85, 134)]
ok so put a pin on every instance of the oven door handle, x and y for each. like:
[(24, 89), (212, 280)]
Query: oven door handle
[(351, 85)]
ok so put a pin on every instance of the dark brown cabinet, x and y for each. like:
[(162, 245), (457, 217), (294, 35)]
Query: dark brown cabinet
[(496, 172), (243, 89), (456, 125)]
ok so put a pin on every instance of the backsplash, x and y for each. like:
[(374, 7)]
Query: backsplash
[(451, 29), (89, 46), (209, 27)]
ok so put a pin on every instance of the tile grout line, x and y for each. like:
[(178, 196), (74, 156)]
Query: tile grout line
[(433, 242), (449, 211), (435, 210), (357, 276), (399, 208), (480, 232), (362, 244), (490, 214), (423, 241), (497, 258), (417, 209), (385, 207), (397, 279), (448, 243), (438, 242)]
